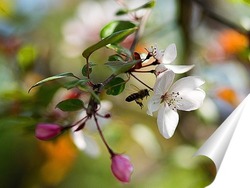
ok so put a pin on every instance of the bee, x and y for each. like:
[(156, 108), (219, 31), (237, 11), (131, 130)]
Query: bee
[(138, 97)]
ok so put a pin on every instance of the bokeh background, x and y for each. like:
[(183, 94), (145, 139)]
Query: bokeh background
[(45, 37)]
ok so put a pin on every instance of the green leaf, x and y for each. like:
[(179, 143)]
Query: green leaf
[(62, 75), (114, 38), (120, 50), (119, 67), (76, 83), (90, 90), (70, 105), (115, 86), (149, 4), (85, 70), (115, 57), (45, 94), (115, 26), (122, 12)]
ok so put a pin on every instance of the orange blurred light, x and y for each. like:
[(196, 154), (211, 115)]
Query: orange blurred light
[(232, 42), (60, 156), (229, 95), (141, 48)]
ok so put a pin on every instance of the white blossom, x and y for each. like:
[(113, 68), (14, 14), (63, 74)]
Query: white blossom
[(165, 58), (184, 94)]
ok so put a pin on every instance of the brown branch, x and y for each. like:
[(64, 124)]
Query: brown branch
[(208, 12)]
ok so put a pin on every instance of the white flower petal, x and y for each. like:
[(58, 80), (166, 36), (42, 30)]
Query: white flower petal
[(92, 148), (170, 54), (163, 82), (86, 143), (179, 69), (78, 139), (167, 121), (191, 100), (160, 69), (186, 84), (106, 106), (159, 55), (153, 104), (91, 124)]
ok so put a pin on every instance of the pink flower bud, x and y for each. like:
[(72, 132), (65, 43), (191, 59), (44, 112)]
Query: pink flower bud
[(46, 131), (121, 167)]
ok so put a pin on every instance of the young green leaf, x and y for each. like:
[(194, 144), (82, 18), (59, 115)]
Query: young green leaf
[(119, 67), (70, 105), (114, 38), (147, 5), (90, 90), (115, 57), (122, 12), (58, 76), (76, 83), (115, 86), (120, 49), (85, 70), (115, 26)]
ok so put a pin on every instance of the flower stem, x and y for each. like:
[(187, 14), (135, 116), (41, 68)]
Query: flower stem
[(77, 123), (141, 25), (102, 137), (150, 71), (141, 81)]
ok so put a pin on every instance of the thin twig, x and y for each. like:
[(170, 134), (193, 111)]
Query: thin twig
[(150, 71), (141, 81), (139, 31), (102, 137)]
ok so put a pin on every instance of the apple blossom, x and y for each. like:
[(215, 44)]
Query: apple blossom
[(184, 94), (165, 58)]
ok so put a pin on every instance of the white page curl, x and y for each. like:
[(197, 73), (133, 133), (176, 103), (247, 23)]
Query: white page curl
[(229, 149)]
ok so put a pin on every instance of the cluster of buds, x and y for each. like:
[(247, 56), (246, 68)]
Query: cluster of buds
[(121, 166)]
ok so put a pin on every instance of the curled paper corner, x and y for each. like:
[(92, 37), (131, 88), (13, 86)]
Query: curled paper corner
[(228, 148)]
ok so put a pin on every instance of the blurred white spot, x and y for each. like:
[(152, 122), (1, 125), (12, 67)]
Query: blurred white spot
[(209, 111), (85, 143), (146, 139), (245, 22), (183, 156)]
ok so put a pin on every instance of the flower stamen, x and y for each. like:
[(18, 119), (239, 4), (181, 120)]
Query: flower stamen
[(173, 100)]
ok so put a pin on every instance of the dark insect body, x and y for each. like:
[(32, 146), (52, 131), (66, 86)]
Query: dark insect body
[(138, 97)]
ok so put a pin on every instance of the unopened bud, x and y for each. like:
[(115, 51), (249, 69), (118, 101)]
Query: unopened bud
[(107, 116), (46, 131), (121, 167)]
